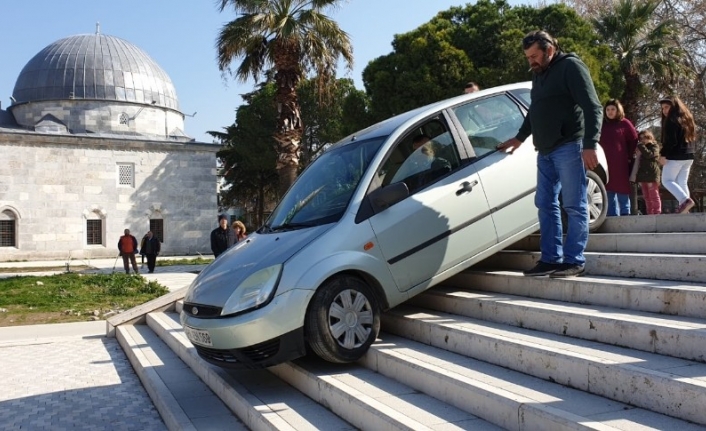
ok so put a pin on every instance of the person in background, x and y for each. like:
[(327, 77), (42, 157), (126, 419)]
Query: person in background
[(239, 231), (648, 171), (127, 245), (471, 87), (619, 141), (142, 250), (151, 249), (564, 120), (677, 154), (221, 237)]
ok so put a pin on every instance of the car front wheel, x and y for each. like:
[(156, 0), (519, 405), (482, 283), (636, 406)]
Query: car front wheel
[(343, 319)]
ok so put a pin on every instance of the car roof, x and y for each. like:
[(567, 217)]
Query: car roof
[(386, 127)]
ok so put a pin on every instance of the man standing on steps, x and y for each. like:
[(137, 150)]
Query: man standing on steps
[(565, 120)]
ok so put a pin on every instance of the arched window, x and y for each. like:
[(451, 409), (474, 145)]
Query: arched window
[(8, 229), (95, 226)]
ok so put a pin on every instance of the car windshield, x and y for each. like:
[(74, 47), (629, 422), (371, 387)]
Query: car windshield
[(321, 193)]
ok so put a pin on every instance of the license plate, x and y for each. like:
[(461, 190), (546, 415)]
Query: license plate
[(198, 337)]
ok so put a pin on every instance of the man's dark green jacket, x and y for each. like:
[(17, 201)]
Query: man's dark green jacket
[(564, 107)]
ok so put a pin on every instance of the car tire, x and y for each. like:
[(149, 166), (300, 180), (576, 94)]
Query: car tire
[(597, 201), (343, 319)]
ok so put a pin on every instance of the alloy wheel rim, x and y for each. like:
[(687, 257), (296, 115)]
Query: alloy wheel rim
[(595, 200)]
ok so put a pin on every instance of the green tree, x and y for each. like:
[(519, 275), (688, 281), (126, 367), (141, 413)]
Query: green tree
[(479, 42), (248, 155), (289, 38), (329, 119), (643, 48)]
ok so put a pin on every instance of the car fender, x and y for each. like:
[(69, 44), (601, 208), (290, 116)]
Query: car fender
[(372, 269), (602, 168)]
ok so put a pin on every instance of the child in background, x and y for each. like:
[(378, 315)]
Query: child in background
[(648, 171)]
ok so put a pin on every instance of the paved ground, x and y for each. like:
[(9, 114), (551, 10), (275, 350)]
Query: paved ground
[(71, 376)]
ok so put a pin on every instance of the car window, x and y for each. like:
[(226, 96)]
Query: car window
[(321, 193), (424, 155), (524, 95), (489, 121)]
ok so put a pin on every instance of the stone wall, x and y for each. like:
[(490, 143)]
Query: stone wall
[(53, 184), (82, 116)]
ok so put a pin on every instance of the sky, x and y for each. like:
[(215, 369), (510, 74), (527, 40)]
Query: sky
[(180, 36)]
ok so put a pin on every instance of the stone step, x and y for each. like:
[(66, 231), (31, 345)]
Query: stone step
[(372, 401), (677, 267), (182, 399), (258, 398), (646, 380), (680, 337), (692, 222), (673, 243), (364, 399), (654, 296), (507, 398)]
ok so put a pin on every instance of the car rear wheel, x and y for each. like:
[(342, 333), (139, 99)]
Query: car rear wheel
[(597, 201), (343, 319)]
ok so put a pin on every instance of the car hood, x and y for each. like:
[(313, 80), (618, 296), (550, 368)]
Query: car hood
[(215, 284)]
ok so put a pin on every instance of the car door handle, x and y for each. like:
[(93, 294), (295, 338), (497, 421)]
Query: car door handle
[(466, 187)]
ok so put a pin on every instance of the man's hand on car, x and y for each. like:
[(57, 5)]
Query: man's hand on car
[(511, 144)]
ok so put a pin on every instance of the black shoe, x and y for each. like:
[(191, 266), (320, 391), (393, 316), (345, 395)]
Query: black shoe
[(542, 268), (568, 270)]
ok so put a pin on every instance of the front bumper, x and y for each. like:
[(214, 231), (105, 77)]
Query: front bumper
[(258, 338), (272, 352)]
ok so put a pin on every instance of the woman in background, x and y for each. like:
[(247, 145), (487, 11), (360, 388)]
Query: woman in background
[(239, 231), (619, 141), (677, 154)]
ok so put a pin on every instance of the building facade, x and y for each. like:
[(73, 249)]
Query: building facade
[(92, 144)]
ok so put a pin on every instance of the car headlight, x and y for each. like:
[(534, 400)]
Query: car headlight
[(253, 291)]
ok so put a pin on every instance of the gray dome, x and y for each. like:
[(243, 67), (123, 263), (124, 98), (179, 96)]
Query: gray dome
[(95, 67)]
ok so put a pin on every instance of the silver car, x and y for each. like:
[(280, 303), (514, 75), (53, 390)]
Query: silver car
[(381, 216)]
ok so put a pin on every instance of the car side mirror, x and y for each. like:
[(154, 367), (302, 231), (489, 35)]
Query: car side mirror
[(386, 196)]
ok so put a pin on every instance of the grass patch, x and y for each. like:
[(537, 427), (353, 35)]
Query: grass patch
[(71, 297), (196, 261), (43, 268)]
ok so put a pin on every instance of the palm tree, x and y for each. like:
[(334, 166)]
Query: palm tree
[(288, 38), (642, 46)]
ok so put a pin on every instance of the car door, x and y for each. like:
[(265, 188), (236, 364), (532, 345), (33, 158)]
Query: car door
[(444, 220), (509, 180)]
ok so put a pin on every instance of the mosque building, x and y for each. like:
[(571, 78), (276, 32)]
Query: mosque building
[(93, 143)]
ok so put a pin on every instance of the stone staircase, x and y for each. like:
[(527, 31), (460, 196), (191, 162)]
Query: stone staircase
[(623, 348)]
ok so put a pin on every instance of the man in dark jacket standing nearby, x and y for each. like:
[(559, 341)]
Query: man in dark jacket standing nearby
[(565, 121), (151, 249), (127, 245), (222, 237)]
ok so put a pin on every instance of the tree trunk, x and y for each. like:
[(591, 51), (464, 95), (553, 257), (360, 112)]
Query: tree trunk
[(260, 206), (631, 96), (289, 121)]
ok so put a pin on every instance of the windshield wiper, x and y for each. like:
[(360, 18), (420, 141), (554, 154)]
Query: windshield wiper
[(290, 226)]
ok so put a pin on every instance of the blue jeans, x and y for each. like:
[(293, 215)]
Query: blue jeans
[(618, 204), (562, 171)]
